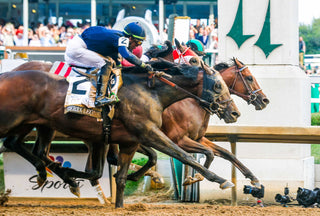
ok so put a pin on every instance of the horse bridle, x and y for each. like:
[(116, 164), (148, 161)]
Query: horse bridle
[(182, 55), (252, 95), (212, 108)]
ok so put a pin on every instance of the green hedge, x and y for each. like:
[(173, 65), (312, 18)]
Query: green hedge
[(315, 148), (315, 119), (132, 186)]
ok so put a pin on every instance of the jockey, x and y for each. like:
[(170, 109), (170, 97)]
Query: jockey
[(96, 42), (196, 46)]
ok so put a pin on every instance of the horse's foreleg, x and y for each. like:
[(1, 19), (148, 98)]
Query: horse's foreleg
[(192, 146), (158, 140), (125, 156), (113, 152), (42, 148), (95, 164), (225, 154), (15, 144), (152, 155)]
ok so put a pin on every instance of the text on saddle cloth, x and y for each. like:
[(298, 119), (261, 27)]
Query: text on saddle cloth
[(82, 91)]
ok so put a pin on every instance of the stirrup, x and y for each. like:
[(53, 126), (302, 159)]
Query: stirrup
[(105, 101)]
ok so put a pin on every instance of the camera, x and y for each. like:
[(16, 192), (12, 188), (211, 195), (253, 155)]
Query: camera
[(284, 199), (254, 191), (308, 197)]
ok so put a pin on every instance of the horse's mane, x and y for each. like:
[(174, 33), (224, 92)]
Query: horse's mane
[(224, 65), (154, 51), (166, 66)]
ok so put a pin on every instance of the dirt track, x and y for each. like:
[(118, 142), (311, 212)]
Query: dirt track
[(142, 206)]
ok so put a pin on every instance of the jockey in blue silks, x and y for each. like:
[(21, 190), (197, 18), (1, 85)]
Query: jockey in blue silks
[(87, 49)]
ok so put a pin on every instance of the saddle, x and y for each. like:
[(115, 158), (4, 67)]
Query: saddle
[(82, 88)]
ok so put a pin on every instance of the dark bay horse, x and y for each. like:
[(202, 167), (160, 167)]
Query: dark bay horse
[(37, 100), (187, 129)]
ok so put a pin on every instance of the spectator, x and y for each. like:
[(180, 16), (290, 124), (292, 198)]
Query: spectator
[(63, 32), (302, 51), (35, 41), (192, 33), (8, 33), (18, 38), (203, 36), (198, 26), (46, 38), (1, 36)]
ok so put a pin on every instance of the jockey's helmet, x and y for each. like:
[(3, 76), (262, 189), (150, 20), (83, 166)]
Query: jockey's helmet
[(196, 46), (135, 30)]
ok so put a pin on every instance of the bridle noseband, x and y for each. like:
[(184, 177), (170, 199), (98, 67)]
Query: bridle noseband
[(252, 95)]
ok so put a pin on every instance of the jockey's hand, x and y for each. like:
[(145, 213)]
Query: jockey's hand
[(147, 67), (159, 73)]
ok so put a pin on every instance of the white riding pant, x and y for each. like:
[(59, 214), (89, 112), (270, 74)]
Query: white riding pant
[(77, 54)]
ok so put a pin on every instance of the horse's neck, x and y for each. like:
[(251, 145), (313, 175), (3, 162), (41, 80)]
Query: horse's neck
[(162, 93), (228, 75)]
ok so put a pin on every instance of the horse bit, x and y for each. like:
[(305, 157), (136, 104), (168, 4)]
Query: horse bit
[(252, 95)]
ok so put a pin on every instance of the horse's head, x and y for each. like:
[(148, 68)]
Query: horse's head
[(184, 54), (213, 94), (241, 82)]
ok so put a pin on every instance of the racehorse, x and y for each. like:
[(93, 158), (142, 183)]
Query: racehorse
[(187, 129), (38, 101)]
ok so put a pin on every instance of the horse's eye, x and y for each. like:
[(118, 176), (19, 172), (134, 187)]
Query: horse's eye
[(194, 61), (249, 78), (217, 87)]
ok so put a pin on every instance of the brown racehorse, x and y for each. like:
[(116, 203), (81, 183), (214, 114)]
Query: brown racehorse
[(38, 100), (187, 129), (184, 132)]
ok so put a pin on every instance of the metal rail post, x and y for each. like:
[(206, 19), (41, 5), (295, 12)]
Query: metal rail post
[(233, 140)]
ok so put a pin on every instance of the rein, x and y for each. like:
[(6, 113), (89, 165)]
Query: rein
[(251, 96), (212, 108), (181, 55)]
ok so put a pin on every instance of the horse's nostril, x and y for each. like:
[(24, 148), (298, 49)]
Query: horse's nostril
[(235, 114), (266, 100)]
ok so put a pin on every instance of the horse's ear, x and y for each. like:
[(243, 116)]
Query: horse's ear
[(168, 43), (236, 61), (178, 45)]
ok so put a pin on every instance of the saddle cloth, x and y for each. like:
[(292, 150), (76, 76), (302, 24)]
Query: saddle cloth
[(81, 92)]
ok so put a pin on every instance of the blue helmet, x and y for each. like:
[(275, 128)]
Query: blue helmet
[(135, 30)]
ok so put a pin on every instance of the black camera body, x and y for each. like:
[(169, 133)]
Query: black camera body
[(308, 197), (284, 199), (254, 191)]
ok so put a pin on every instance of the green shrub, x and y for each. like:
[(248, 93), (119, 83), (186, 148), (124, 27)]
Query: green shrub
[(315, 119), (132, 186)]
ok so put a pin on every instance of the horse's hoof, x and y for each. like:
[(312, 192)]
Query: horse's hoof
[(226, 185), (199, 176), (187, 181), (256, 184), (75, 191), (158, 180), (40, 181)]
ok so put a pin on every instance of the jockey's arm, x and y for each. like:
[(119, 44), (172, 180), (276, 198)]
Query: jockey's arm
[(126, 54)]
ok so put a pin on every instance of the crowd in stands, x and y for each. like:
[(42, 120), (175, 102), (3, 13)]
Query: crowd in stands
[(208, 35), (41, 35)]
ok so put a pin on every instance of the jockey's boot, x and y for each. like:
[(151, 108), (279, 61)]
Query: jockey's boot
[(102, 83)]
